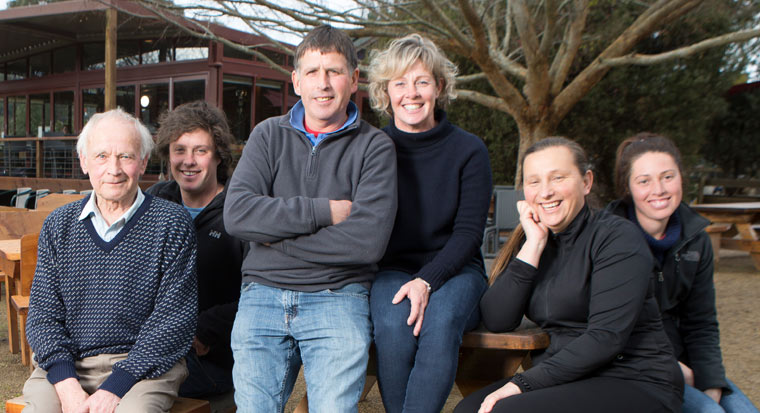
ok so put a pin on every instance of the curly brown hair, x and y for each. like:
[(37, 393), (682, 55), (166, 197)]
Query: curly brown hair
[(190, 117)]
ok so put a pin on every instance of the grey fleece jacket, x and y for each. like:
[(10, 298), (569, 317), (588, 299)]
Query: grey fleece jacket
[(278, 200)]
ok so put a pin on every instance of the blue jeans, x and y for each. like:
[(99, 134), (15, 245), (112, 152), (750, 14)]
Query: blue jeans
[(695, 401), (416, 374), (275, 329), (205, 379)]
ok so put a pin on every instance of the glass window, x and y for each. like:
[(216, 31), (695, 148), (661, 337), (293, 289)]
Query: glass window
[(276, 57), (17, 116), (268, 99), (2, 117), (93, 56), (157, 51), (63, 112), (2, 72), (94, 101), (16, 69), (64, 59), (188, 91), (40, 64), (127, 53), (154, 100), (237, 105), (191, 49), (125, 98), (236, 54), (292, 97), (39, 114)]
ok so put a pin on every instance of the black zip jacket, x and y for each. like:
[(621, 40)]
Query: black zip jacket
[(220, 257), (592, 293), (686, 294)]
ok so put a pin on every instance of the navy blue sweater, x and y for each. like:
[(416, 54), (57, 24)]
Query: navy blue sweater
[(444, 191), (135, 294)]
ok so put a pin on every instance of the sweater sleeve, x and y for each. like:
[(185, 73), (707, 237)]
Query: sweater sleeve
[(167, 334), (53, 349), (363, 236), (699, 325), (619, 281), (504, 303), (252, 213), (469, 222), (215, 324)]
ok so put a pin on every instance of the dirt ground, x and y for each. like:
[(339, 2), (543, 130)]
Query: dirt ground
[(737, 284)]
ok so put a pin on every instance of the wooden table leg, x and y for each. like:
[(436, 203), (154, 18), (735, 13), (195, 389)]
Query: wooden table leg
[(13, 333)]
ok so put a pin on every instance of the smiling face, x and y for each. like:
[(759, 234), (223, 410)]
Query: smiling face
[(112, 161), (193, 163), (325, 84), (656, 189), (412, 97), (554, 187)]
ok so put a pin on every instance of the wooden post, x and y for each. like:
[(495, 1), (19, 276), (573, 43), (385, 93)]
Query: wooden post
[(111, 22)]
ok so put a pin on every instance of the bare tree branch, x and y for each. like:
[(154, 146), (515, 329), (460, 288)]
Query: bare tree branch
[(641, 59), (491, 102), (568, 50)]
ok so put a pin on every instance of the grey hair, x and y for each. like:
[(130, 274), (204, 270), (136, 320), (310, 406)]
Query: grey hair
[(398, 58), (144, 135)]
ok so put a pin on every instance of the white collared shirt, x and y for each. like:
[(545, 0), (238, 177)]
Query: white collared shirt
[(101, 226)]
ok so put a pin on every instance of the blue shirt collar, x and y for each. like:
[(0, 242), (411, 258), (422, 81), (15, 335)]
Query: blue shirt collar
[(297, 115)]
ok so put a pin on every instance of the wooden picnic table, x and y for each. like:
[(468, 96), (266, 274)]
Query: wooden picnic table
[(744, 217), (10, 264)]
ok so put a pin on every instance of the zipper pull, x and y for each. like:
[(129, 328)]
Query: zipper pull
[(660, 278)]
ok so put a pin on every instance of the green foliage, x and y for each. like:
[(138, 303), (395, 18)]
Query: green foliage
[(734, 141)]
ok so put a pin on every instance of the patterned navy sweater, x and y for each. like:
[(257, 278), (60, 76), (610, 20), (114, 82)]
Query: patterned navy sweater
[(136, 294)]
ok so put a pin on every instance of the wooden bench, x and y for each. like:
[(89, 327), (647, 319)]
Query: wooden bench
[(716, 232), (20, 300), (53, 201), (181, 405), (484, 357), (732, 190)]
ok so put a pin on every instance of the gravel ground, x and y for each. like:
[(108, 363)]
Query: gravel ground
[(737, 284)]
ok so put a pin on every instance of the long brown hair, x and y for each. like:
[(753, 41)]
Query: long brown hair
[(517, 237)]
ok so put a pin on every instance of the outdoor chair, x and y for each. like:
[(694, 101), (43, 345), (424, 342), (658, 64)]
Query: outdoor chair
[(505, 218)]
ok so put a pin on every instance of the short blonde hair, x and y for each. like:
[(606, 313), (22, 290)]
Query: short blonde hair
[(398, 58)]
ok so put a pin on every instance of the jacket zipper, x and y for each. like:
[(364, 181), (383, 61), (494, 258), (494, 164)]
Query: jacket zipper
[(312, 167)]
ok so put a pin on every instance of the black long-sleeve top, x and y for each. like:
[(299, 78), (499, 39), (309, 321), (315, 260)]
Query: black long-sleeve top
[(220, 257), (444, 191), (686, 295), (592, 294)]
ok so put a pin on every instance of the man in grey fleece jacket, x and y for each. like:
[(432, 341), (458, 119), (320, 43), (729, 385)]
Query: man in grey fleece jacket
[(315, 195)]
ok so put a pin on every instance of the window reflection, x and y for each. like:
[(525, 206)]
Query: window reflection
[(268, 99), (16, 69), (17, 116), (63, 112), (156, 51), (154, 100), (236, 103), (39, 114), (188, 91), (94, 101), (2, 117), (40, 64)]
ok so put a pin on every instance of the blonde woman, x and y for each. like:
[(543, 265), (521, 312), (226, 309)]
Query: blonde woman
[(432, 275)]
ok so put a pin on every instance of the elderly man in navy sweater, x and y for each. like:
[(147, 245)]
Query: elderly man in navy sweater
[(113, 305)]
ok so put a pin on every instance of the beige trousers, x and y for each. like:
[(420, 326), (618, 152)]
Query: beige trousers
[(146, 396)]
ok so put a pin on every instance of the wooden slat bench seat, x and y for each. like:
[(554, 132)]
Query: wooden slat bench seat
[(484, 357), (181, 405)]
